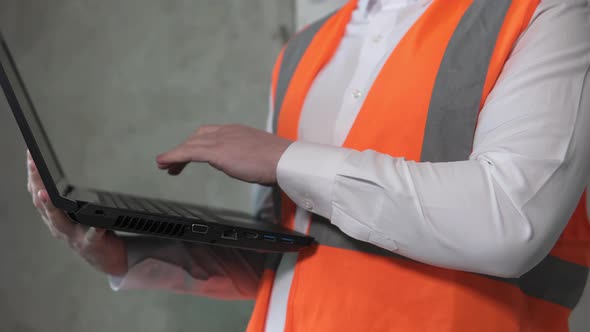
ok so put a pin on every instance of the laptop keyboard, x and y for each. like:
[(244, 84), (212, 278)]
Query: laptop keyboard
[(151, 205)]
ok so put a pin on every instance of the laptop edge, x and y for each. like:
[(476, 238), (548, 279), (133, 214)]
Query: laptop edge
[(83, 205)]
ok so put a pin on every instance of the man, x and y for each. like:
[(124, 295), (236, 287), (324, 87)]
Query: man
[(437, 150)]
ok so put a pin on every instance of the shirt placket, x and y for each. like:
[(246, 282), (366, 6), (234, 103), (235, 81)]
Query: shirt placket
[(374, 48)]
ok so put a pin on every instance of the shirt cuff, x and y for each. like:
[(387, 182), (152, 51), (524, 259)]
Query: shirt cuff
[(306, 173)]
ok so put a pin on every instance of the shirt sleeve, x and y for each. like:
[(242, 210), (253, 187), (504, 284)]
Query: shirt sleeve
[(501, 211)]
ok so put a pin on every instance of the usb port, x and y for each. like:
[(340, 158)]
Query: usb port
[(230, 234), (201, 229), (270, 238), (250, 235), (287, 240)]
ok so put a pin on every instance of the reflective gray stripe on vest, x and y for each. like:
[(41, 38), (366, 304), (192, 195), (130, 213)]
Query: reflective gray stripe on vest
[(291, 57), (272, 261), (285, 267), (277, 202), (554, 280), (279, 296), (458, 89)]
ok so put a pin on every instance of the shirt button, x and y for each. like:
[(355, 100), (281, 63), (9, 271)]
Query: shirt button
[(357, 94), (307, 204), (377, 38)]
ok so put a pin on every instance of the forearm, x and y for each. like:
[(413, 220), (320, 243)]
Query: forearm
[(455, 215), (465, 215)]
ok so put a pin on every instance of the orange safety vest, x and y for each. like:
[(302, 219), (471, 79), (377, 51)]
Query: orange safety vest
[(423, 106)]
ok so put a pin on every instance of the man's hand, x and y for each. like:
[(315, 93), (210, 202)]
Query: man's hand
[(102, 249), (244, 153)]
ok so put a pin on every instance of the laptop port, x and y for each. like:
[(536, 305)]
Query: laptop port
[(230, 234), (250, 235), (287, 240), (270, 238), (200, 229)]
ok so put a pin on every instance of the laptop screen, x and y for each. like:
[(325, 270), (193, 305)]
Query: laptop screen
[(21, 104)]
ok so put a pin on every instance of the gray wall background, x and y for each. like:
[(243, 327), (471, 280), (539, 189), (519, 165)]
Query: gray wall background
[(307, 11), (116, 83)]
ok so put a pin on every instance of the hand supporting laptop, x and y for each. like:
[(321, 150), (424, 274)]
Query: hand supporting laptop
[(102, 249), (244, 153), (108, 253)]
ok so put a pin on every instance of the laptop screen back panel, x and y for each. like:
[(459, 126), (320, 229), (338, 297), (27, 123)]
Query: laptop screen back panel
[(33, 132)]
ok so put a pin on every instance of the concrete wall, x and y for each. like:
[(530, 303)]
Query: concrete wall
[(116, 83), (307, 11)]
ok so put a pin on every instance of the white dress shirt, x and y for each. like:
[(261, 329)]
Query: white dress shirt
[(497, 213)]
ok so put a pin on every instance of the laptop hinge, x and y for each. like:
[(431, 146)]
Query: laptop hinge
[(67, 190), (63, 190), (63, 187)]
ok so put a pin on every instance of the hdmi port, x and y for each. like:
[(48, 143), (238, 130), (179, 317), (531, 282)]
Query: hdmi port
[(230, 235), (250, 235)]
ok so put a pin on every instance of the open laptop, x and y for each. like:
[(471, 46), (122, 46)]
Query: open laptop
[(129, 213)]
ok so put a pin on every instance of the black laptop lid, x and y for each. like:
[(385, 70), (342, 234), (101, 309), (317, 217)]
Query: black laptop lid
[(30, 126)]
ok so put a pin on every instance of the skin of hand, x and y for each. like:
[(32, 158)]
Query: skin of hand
[(242, 152), (102, 249)]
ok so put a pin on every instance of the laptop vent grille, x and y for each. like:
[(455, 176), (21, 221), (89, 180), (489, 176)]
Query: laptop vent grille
[(149, 226)]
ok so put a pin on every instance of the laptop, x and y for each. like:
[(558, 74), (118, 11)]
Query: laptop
[(129, 213)]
